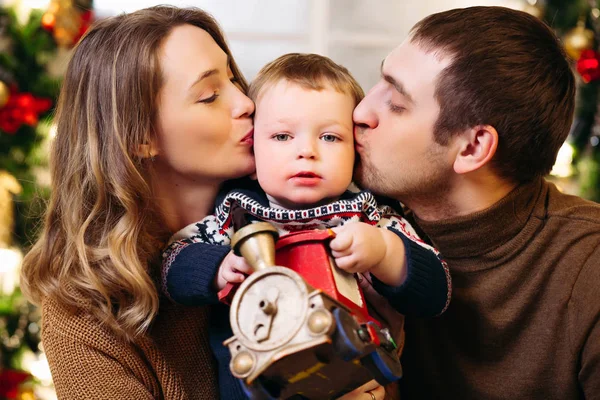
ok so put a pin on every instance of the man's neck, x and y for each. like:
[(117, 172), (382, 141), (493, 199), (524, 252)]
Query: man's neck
[(182, 201), (467, 196)]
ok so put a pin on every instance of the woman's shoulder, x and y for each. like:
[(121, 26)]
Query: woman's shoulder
[(77, 324), (172, 356)]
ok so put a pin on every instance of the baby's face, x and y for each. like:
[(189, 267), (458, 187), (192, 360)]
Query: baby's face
[(303, 144)]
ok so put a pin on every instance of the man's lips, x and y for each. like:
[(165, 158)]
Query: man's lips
[(248, 138), (358, 147)]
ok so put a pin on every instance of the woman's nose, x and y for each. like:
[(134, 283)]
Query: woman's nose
[(243, 106)]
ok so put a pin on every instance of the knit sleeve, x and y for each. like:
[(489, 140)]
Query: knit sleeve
[(427, 289), (584, 325), (189, 270), (87, 362)]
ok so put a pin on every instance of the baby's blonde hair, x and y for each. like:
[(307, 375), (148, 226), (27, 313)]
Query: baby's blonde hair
[(311, 71)]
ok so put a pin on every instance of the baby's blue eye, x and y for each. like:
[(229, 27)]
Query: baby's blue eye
[(281, 137), (329, 138)]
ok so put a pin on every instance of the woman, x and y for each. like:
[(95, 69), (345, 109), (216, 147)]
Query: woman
[(151, 120)]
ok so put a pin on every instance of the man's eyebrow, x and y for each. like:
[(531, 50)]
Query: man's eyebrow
[(397, 85)]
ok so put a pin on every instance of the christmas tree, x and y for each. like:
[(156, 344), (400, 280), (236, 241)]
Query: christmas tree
[(577, 23), (34, 47)]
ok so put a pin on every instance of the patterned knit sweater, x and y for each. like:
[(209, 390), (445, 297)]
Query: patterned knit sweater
[(87, 361), (524, 322), (191, 260)]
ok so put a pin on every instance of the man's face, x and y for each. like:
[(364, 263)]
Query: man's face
[(394, 138)]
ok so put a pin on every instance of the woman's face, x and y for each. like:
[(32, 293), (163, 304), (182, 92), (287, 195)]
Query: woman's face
[(204, 120)]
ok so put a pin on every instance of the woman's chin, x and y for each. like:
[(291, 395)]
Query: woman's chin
[(246, 171)]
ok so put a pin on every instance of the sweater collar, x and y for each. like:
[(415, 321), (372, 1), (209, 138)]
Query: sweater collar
[(487, 230)]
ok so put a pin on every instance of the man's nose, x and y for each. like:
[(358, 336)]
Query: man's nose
[(364, 115)]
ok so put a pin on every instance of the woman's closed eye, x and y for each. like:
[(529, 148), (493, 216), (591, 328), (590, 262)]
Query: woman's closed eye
[(209, 99), (215, 95)]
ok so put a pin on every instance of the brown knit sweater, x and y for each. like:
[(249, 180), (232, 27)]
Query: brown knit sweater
[(524, 322), (173, 361)]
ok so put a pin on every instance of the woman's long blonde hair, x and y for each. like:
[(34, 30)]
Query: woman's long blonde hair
[(101, 232)]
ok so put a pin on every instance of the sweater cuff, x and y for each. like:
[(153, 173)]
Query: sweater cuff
[(191, 274), (426, 290)]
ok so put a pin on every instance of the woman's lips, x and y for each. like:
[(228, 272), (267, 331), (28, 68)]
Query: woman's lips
[(248, 138)]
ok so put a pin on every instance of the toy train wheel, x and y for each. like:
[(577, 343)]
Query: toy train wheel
[(384, 367), (346, 340)]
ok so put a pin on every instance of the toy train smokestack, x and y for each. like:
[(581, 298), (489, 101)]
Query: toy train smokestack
[(256, 243)]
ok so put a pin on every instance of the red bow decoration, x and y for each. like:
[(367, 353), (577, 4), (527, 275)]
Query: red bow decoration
[(588, 65), (22, 108)]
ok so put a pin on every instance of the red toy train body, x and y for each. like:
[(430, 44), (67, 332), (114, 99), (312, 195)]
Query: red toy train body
[(301, 325)]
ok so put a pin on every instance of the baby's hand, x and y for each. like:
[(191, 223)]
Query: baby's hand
[(233, 269), (357, 246)]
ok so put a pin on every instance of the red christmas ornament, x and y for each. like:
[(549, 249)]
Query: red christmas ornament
[(10, 381), (588, 65), (86, 20), (48, 21), (22, 108), (66, 21)]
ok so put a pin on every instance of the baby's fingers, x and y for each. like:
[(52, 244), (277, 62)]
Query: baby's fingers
[(347, 263), (233, 276), (242, 265), (341, 244)]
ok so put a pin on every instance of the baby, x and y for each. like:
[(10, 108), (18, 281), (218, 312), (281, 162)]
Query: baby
[(304, 151)]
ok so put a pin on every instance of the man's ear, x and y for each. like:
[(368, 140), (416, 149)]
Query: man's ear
[(477, 146), (146, 151)]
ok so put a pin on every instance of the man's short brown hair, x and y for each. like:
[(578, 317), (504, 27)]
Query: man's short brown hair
[(509, 71), (310, 71)]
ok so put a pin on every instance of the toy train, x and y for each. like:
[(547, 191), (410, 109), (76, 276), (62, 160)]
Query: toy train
[(301, 325)]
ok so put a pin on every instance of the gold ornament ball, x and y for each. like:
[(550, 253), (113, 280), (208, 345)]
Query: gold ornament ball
[(4, 94), (577, 40), (535, 9)]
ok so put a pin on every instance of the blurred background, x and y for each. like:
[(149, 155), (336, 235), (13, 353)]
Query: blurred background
[(37, 37)]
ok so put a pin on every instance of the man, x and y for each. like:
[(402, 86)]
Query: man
[(467, 119)]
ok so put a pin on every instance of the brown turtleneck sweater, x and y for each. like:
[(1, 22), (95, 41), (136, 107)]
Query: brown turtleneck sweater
[(524, 322), (173, 361)]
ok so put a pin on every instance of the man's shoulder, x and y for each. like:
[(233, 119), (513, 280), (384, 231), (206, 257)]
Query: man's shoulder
[(572, 208)]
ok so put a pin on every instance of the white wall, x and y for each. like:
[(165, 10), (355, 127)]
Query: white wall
[(356, 33)]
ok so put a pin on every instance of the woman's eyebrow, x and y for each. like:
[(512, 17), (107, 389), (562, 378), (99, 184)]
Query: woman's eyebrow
[(204, 75)]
